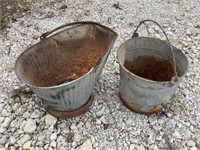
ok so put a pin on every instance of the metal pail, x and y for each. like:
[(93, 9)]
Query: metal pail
[(62, 69), (150, 72)]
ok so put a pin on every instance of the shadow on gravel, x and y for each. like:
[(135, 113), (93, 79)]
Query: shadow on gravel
[(22, 91), (10, 10)]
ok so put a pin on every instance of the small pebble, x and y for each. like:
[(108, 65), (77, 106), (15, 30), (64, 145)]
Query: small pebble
[(77, 137), (50, 120), (87, 145), (100, 111), (141, 147), (12, 140), (53, 144), (191, 143), (27, 144), (184, 44), (4, 139), (23, 139), (30, 126), (7, 121), (53, 136), (193, 148)]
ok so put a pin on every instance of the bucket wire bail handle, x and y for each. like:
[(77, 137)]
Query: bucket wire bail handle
[(135, 34), (46, 34)]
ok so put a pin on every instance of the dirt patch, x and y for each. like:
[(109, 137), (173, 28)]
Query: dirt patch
[(10, 10), (152, 68), (70, 137)]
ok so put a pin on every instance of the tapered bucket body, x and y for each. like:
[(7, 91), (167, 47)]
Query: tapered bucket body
[(63, 68), (148, 82)]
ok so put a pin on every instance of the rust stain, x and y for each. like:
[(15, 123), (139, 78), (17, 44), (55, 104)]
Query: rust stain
[(71, 113), (59, 60), (134, 108), (152, 68)]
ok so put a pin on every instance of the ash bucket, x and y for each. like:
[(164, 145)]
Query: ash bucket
[(62, 69), (150, 72)]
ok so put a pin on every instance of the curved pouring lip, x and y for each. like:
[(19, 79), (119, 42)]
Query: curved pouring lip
[(115, 35), (141, 78)]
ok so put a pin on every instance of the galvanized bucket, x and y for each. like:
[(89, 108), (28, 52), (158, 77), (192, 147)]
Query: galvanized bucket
[(62, 69), (150, 72)]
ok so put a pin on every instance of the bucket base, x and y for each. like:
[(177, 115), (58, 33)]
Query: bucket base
[(73, 113), (135, 109)]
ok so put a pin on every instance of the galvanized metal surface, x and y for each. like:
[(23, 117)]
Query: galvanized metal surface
[(133, 107), (73, 113), (62, 69), (143, 95)]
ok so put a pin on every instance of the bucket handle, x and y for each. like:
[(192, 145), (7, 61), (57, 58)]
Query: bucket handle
[(46, 34), (135, 34)]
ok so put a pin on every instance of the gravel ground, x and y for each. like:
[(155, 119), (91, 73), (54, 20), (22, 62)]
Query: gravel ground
[(108, 125)]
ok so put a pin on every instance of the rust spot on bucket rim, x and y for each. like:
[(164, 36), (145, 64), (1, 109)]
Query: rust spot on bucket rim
[(73, 113), (134, 108)]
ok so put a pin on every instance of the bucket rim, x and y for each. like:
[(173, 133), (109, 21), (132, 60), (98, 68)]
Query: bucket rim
[(148, 80), (46, 38), (47, 35)]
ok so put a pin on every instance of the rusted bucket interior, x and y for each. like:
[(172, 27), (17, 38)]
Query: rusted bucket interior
[(151, 67), (65, 56)]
